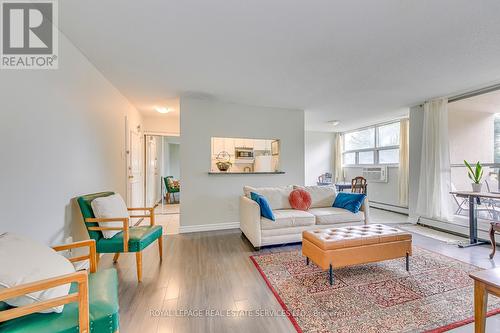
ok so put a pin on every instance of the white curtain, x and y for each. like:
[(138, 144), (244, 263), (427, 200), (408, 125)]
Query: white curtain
[(339, 172), (435, 181), (404, 147)]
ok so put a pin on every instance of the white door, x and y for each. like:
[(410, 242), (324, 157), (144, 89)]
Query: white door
[(152, 171), (135, 196)]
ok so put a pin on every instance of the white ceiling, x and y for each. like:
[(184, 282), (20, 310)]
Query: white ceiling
[(357, 61)]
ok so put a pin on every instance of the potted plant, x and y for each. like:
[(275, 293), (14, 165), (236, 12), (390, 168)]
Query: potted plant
[(475, 174)]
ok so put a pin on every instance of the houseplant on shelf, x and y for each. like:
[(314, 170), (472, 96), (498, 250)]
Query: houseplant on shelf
[(475, 174)]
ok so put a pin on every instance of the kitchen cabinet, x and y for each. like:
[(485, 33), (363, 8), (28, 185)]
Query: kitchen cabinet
[(239, 142), (260, 145), (229, 145), (217, 145)]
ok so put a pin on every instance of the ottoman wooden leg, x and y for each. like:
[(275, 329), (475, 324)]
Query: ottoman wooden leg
[(307, 260), (331, 275)]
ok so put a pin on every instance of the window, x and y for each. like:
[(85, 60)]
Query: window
[(360, 139), (349, 158), (388, 156), (388, 135), (374, 145), (366, 157)]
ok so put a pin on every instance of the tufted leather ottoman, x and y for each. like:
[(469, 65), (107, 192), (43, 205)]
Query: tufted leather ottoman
[(340, 247)]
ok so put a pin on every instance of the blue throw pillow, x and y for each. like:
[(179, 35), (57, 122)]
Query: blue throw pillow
[(265, 208), (350, 201)]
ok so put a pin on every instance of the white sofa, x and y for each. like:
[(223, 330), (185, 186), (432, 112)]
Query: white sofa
[(290, 223)]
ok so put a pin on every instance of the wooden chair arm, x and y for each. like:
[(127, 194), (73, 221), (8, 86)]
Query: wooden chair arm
[(92, 256), (151, 215), (125, 228), (82, 297)]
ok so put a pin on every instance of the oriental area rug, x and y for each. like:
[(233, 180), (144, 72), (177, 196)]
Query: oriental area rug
[(435, 296)]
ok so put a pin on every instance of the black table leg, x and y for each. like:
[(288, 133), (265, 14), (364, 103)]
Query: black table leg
[(473, 241), (407, 262)]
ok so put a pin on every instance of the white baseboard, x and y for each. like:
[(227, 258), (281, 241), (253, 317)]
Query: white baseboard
[(392, 208), (208, 227), (458, 229)]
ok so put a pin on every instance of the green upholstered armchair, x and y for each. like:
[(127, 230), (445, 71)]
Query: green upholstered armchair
[(92, 302), (169, 189), (130, 239)]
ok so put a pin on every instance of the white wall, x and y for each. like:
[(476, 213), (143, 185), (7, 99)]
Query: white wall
[(212, 199), (63, 135), (162, 124), (319, 148), (472, 137)]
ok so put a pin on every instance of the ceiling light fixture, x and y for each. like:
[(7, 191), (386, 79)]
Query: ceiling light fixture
[(334, 122), (162, 109)]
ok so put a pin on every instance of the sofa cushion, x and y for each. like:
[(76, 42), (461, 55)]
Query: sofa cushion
[(350, 201), (103, 310), (276, 196), (265, 208), (321, 196), (332, 215), (300, 199), (286, 218)]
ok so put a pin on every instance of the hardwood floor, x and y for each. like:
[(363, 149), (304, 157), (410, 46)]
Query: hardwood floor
[(211, 271)]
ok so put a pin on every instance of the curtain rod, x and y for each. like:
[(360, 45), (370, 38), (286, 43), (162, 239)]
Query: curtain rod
[(472, 93)]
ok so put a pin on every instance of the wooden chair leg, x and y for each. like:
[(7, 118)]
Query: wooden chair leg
[(160, 247), (493, 244), (97, 257), (115, 258), (168, 197), (138, 259)]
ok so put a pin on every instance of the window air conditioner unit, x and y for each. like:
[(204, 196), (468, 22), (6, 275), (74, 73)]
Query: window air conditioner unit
[(376, 174)]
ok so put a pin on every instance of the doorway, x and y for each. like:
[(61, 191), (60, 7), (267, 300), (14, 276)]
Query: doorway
[(162, 179)]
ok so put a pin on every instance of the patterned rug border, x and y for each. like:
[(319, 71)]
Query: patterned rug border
[(288, 313)]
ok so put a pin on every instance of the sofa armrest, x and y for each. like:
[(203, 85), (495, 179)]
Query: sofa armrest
[(250, 220), (365, 208)]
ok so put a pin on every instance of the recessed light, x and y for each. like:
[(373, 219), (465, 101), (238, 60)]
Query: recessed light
[(162, 109), (334, 122)]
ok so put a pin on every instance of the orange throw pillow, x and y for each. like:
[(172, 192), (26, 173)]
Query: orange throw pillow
[(300, 199)]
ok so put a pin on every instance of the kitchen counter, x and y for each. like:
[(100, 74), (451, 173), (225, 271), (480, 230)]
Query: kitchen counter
[(246, 173)]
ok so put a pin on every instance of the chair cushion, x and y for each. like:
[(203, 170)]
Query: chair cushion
[(276, 196), (332, 215), (139, 238), (85, 207), (321, 196), (110, 207), (23, 260), (103, 310), (286, 218)]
